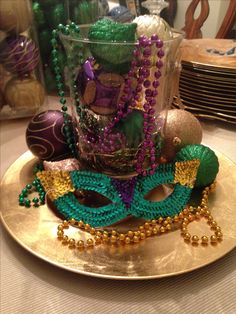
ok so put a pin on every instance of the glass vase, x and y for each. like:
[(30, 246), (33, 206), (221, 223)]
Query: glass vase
[(120, 93)]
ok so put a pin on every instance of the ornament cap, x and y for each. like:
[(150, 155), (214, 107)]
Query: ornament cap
[(155, 6)]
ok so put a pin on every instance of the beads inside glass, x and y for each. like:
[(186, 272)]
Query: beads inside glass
[(121, 92)]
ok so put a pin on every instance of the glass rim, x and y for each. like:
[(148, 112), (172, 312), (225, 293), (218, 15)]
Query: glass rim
[(84, 40)]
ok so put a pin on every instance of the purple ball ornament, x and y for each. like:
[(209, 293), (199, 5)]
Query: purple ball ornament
[(19, 55), (45, 136)]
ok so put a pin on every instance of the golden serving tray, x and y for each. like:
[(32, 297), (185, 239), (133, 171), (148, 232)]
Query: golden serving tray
[(35, 229)]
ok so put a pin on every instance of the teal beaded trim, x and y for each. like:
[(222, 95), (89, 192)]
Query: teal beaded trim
[(69, 206), (98, 182), (170, 206), (102, 184)]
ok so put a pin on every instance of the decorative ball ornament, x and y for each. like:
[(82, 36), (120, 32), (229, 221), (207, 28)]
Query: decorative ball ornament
[(45, 136), (181, 129), (16, 16), (120, 14), (153, 24), (209, 164), (19, 55), (112, 57), (26, 94)]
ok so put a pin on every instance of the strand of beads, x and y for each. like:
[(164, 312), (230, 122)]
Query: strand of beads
[(143, 51), (151, 93), (195, 214), (155, 227), (148, 229), (72, 28), (29, 189), (108, 141)]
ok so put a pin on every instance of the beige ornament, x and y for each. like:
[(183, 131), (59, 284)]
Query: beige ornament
[(16, 16), (153, 24), (26, 94), (181, 129)]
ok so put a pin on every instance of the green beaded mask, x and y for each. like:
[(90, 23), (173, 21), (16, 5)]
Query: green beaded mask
[(61, 185)]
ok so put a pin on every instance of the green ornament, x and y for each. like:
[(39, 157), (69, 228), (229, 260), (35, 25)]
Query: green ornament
[(39, 15), (209, 164), (112, 55), (44, 37), (132, 128), (56, 15)]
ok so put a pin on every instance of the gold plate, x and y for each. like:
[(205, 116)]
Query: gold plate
[(199, 93), (207, 52), (211, 117), (206, 115), (210, 76), (207, 82), (206, 103), (206, 110), (209, 68), (35, 229), (208, 86), (195, 102)]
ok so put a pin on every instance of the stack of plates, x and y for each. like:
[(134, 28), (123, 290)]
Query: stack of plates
[(208, 79)]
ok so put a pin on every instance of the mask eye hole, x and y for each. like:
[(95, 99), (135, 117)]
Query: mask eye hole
[(159, 193), (91, 198)]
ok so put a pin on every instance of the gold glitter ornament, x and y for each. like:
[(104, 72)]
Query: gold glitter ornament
[(16, 16), (181, 129), (24, 94)]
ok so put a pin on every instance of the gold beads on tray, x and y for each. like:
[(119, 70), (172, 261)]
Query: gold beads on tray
[(196, 214), (151, 228), (148, 229)]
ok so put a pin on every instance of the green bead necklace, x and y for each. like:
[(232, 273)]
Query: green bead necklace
[(35, 186), (71, 29)]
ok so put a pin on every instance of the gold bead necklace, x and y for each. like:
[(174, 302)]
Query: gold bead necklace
[(150, 228)]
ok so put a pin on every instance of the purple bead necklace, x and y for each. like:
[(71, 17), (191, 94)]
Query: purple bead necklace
[(140, 70), (150, 101)]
